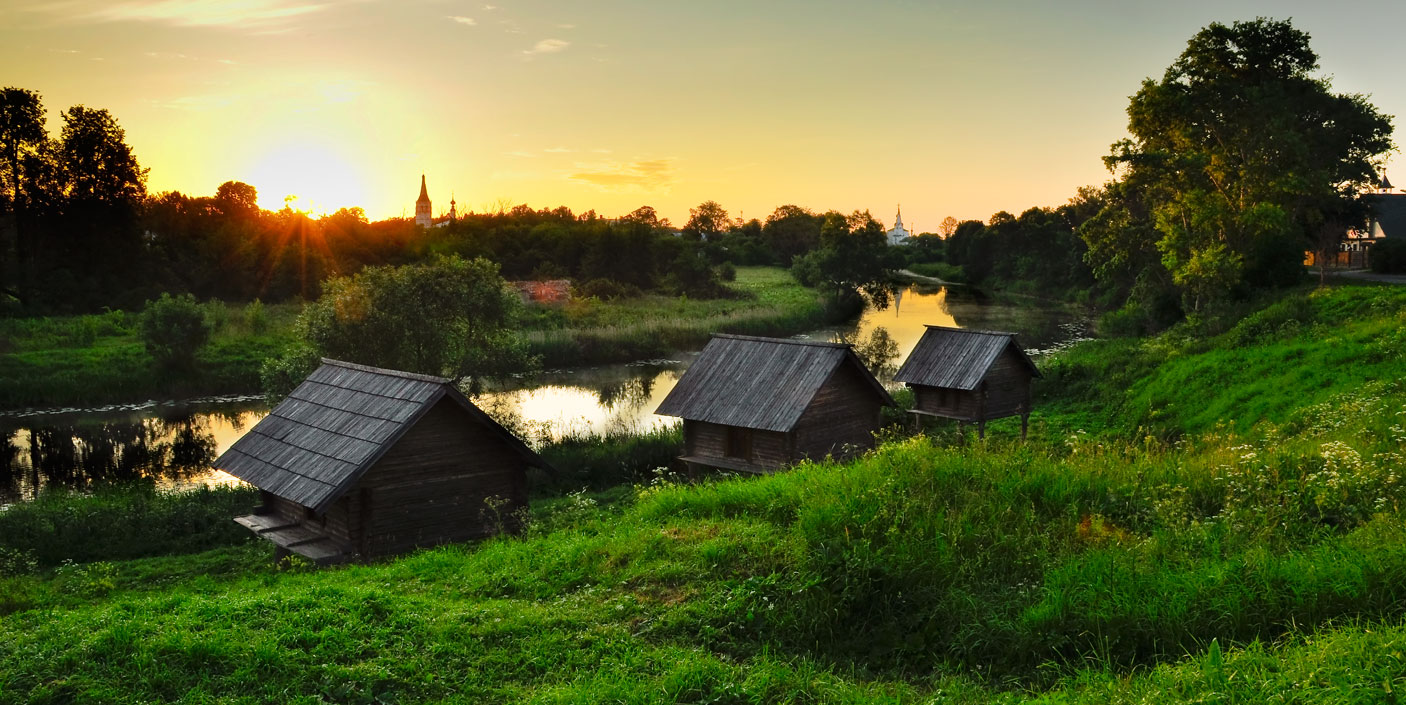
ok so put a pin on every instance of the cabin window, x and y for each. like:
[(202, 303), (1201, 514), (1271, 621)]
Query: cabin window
[(739, 443)]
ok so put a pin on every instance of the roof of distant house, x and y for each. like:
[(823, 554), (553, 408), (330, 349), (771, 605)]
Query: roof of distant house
[(761, 383), (319, 441), (957, 358)]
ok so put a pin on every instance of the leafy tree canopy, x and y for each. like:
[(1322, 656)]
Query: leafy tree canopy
[(450, 317), (1238, 155)]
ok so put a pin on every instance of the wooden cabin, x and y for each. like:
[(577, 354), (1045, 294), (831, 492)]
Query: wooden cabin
[(761, 404), (972, 376), (365, 462)]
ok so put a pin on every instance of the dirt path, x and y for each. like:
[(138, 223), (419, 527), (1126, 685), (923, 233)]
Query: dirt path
[(1363, 275)]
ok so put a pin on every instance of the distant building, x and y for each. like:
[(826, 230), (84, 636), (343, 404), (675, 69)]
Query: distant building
[(972, 376), (423, 215), (898, 235), (760, 404), (1388, 220), (362, 462)]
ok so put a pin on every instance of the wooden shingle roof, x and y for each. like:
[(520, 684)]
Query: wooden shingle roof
[(318, 441), (957, 358), (761, 383)]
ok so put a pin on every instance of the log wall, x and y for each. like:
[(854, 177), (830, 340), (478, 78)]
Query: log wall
[(841, 418)]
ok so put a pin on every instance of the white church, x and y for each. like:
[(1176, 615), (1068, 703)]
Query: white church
[(898, 235)]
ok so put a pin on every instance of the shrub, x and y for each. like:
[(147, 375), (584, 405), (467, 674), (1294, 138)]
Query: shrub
[(173, 329), (255, 317), (1388, 257), (608, 290), (727, 271)]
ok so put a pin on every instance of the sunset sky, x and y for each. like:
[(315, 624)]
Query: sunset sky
[(950, 108)]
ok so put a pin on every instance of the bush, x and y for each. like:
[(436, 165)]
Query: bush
[(608, 290), (173, 329), (727, 271), (1388, 257), (256, 318)]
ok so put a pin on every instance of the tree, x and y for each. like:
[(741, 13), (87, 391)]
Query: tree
[(98, 165), (450, 317), (707, 222), (1237, 156), (790, 231), (853, 258), (21, 137), (947, 227), (237, 199), (174, 329), (21, 132)]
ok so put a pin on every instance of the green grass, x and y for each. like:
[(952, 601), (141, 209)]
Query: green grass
[(1226, 562), (93, 359), (591, 332)]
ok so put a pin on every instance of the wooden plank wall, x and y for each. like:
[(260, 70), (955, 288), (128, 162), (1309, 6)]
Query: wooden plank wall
[(845, 411), (430, 487), (1005, 391), (770, 449)]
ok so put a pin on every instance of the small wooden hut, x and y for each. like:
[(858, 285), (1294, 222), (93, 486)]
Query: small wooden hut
[(361, 461), (973, 376), (760, 404)]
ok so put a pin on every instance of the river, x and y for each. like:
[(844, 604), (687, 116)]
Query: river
[(173, 443)]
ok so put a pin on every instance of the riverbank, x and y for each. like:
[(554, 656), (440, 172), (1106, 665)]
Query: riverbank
[(99, 359), (1250, 557)]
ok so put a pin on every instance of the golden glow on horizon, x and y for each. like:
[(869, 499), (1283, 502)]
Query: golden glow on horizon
[(308, 177), (954, 109)]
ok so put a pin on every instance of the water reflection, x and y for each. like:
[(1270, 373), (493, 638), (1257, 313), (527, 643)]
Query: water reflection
[(174, 444)]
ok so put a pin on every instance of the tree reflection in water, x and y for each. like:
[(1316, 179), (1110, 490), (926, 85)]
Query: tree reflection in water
[(172, 445)]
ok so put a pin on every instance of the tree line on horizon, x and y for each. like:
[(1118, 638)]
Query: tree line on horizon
[(1240, 159)]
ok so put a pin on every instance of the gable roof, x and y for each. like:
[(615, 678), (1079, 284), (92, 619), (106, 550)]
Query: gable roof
[(957, 358), (762, 383), (1389, 212), (318, 442)]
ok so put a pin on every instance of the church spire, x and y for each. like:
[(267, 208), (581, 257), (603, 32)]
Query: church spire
[(898, 219), (423, 216), (424, 195)]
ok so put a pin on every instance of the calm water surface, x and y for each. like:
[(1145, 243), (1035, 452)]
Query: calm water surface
[(173, 443)]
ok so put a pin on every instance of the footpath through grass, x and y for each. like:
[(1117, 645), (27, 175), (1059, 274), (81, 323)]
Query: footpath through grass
[(1232, 562)]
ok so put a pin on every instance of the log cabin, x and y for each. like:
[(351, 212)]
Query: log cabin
[(760, 404), (363, 462), (972, 376)]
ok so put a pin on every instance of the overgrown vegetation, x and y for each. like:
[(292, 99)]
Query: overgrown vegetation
[(991, 572)]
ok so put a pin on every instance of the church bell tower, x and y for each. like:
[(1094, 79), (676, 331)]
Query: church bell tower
[(423, 216)]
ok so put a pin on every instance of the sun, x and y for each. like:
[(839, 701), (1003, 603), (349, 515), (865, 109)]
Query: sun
[(307, 176)]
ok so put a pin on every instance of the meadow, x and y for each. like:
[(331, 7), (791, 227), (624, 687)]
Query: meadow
[(100, 358), (1139, 548)]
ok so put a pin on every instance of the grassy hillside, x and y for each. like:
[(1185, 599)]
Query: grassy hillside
[(1225, 562)]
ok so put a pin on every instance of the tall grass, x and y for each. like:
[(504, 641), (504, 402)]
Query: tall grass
[(769, 302)]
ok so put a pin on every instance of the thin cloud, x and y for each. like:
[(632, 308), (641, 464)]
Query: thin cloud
[(566, 26), (548, 46), (464, 20), (559, 150), (646, 175), (489, 8), (246, 14)]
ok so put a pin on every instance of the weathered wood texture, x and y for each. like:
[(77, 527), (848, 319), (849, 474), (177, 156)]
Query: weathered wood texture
[(431, 486), (1003, 391), (760, 383), (841, 419), (382, 462), (838, 418)]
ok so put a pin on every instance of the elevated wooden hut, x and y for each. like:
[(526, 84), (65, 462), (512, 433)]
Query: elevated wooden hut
[(973, 376), (361, 461), (760, 404)]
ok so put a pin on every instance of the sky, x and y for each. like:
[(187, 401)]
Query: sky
[(948, 108)]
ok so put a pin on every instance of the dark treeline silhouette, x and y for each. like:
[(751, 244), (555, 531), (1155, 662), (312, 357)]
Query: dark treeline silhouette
[(1039, 252)]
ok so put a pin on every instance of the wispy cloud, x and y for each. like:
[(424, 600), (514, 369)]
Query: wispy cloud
[(236, 14), (489, 8), (547, 46), (559, 150), (566, 26), (463, 20), (646, 175)]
